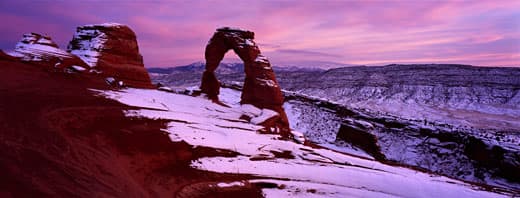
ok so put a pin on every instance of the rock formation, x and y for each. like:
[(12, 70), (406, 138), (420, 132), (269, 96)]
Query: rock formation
[(260, 87), (108, 49), (358, 136), (5, 56), (43, 50), (111, 48)]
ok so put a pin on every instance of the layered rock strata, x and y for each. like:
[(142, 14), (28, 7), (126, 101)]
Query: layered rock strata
[(40, 49)]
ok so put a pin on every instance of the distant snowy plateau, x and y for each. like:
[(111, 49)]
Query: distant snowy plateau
[(454, 120)]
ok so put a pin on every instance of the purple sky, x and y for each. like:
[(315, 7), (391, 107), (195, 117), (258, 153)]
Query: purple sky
[(369, 32)]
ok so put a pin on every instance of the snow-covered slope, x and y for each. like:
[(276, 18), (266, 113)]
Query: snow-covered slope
[(477, 155), (286, 167)]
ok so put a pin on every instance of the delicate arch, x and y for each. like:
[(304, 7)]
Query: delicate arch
[(260, 86)]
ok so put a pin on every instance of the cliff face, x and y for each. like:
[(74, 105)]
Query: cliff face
[(111, 48)]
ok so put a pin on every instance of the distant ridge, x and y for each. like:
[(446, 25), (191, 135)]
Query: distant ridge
[(224, 68)]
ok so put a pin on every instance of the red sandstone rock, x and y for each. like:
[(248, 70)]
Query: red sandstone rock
[(41, 50), (111, 48), (260, 87), (4, 56)]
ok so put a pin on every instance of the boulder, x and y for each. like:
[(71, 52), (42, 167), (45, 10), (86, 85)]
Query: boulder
[(111, 48), (360, 137), (260, 87)]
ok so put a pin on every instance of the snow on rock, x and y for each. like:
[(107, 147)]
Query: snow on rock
[(264, 116), (232, 184), (113, 49), (299, 137), (297, 169), (35, 47), (41, 50), (250, 110), (266, 82), (231, 29), (78, 68), (109, 24), (262, 59), (87, 44)]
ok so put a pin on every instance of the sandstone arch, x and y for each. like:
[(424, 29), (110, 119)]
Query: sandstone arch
[(260, 86)]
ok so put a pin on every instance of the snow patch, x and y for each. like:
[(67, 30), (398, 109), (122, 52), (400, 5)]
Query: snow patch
[(267, 82), (78, 68), (262, 59), (265, 115), (232, 184), (110, 24), (88, 45), (249, 42), (36, 48)]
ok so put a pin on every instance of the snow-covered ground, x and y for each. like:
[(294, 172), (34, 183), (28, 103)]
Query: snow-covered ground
[(297, 170), (440, 148)]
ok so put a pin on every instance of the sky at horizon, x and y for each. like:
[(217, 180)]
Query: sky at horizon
[(299, 33)]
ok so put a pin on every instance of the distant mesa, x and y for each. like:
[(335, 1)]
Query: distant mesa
[(108, 49), (260, 86)]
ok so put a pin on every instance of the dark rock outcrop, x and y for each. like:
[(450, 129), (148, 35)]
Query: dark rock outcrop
[(361, 138), (260, 87), (111, 48)]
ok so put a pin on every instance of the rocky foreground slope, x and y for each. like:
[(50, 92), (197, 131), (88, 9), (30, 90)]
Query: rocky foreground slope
[(58, 139)]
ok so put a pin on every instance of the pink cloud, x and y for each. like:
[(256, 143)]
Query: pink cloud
[(362, 32)]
